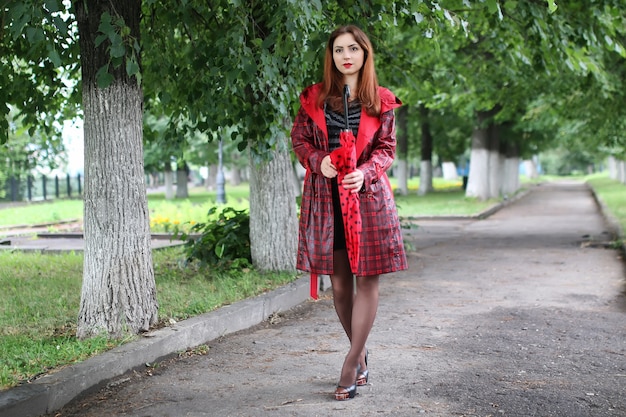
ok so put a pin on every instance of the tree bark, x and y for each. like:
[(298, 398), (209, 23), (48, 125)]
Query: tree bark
[(496, 161), (612, 167), (426, 166), (168, 177), (273, 211), (449, 171), (402, 153), (531, 168), (182, 179), (118, 293), (478, 178), (211, 179), (511, 183)]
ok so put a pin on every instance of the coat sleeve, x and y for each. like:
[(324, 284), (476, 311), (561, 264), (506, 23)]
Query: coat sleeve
[(303, 143), (382, 151)]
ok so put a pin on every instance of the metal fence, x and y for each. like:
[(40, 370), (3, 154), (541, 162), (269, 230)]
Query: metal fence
[(33, 188)]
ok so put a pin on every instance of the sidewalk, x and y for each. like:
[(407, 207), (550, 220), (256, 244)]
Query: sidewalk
[(519, 314)]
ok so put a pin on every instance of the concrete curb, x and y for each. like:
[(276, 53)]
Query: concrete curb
[(53, 391)]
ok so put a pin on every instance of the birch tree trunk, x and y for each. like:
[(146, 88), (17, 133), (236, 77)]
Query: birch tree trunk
[(273, 214), (118, 293)]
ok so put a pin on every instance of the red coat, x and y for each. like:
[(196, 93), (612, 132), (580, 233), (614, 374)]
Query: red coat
[(381, 247)]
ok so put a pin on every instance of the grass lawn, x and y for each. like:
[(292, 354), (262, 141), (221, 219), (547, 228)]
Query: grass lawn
[(613, 195), (41, 296)]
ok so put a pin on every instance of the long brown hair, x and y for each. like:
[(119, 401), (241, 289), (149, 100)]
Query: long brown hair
[(332, 85)]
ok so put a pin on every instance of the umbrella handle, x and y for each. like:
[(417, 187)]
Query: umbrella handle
[(346, 94)]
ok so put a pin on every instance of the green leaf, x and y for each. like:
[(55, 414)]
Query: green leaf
[(100, 39), (118, 51), (52, 6), (103, 77), (54, 57), (35, 35), (552, 6), (132, 68), (492, 6)]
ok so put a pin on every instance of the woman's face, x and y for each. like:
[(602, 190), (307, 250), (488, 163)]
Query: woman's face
[(348, 54)]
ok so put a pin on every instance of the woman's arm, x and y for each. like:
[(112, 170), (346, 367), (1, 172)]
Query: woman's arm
[(383, 150), (303, 143)]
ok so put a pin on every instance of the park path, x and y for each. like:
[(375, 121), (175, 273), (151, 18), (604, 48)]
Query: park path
[(520, 314)]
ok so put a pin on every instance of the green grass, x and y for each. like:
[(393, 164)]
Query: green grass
[(42, 212), (164, 214), (613, 195), (40, 301)]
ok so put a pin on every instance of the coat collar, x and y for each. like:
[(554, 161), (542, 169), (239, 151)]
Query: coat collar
[(368, 124)]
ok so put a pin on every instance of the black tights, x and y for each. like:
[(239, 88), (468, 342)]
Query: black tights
[(356, 312)]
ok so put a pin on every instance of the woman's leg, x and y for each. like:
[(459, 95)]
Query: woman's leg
[(343, 291), (364, 308)]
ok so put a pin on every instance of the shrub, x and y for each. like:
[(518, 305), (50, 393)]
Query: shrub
[(222, 244)]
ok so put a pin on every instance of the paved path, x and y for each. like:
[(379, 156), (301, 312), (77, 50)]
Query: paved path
[(522, 314)]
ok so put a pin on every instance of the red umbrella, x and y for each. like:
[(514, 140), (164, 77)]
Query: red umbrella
[(344, 159)]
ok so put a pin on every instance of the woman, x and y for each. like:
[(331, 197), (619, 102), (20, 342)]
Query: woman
[(349, 60)]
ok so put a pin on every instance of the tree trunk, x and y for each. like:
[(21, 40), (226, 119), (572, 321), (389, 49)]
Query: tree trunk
[(182, 179), (496, 161), (297, 184), (426, 166), (478, 179), (530, 168), (273, 214), (402, 153), (612, 167), (235, 176), (426, 178), (510, 183), (211, 178), (449, 171), (168, 177), (118, 293)]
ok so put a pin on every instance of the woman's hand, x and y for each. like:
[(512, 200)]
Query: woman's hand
[(353, 181), (327, 168)]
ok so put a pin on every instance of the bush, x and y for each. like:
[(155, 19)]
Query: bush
[(222, 244)]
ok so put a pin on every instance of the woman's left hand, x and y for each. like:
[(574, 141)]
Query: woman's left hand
[(353, 181)]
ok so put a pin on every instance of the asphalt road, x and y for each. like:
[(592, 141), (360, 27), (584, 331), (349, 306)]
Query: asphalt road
[(520, 314)]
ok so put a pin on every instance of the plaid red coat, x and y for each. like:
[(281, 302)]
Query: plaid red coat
[(381, 247)]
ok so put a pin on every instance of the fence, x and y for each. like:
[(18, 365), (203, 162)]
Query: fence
[(41, 188)]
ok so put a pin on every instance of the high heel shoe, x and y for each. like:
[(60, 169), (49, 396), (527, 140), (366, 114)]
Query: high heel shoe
[(363, 377), (345, 393)]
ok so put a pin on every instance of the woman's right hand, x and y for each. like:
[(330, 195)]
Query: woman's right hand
[(327, 168)]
